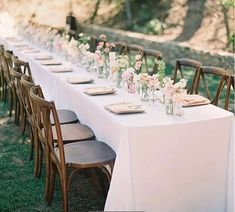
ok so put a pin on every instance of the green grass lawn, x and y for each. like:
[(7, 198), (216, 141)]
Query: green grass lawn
[(21, 191)]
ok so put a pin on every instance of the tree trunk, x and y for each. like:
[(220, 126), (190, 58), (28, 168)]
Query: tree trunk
[(225, 12), (95, 11)]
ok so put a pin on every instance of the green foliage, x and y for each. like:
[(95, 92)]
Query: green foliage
[(152, 27), (228, 3)]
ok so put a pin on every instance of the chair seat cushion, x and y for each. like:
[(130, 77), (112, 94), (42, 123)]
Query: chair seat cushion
[(65, 117), (74, 132), (87, 154)]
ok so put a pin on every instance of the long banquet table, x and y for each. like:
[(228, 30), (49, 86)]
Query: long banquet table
[(164, 163)]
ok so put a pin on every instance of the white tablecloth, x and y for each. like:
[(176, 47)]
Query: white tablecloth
[(164, 163)]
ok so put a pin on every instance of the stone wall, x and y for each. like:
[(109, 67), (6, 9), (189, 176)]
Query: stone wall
[(171, 50)]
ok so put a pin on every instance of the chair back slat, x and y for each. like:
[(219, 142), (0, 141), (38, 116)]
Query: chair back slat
[(42, 110), (192, 65), (224, 82)]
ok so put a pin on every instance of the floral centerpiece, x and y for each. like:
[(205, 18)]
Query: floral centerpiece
[(147, 85), (101, 54), (174, 94), (127, 69)]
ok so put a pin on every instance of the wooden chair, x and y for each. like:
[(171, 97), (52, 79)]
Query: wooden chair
[(149, 58), (190, 65), (71, 128), (21, 66), (214, 83), (10, 91), (121, 47), (16, 77), (2, 82), (63, 157)]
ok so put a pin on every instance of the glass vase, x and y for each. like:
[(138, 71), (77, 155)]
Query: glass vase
[(174, 108), (118, 79), (144, 96)]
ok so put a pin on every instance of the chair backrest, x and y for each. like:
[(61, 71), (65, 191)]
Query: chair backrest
[(26, 84), (191, 72), (16, 77), (149, 66), (5, 60), (121, 48), (42, 110), (215, 83), (132, 50), (21, 66)]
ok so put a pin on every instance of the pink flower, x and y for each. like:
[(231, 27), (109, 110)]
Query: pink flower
[(113, 45), (100, 45), (106, 50), (138, 57), (107, 44), (102, 36), (138, 65)]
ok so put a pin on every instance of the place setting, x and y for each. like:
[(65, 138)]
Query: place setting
[(125, 108), (93, 91), (194, 100), (42, 57), (50, 62), (59, 68), (80, 80)]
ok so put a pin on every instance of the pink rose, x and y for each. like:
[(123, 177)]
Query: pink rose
[(102, 36)]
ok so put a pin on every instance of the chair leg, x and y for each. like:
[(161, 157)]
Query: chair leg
[(64, 188), (51, 184), (22, 120)]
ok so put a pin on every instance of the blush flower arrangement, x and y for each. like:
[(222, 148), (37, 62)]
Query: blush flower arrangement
[(175, 92), (102, 50)]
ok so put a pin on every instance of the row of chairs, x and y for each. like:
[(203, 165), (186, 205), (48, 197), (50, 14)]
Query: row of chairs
[(212, 82), (56, 135)]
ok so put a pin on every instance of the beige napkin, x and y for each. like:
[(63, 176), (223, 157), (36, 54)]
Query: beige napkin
[(60, 69), (195, 99), (79, 80), (99, 90), (125, 107), (43, 57), (18, 45), (50, 62), (31, 51)]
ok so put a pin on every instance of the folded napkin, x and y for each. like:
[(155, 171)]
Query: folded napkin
[(99, 90), (60, 69), (43, 57), (30, 51), (25, 48), (125, 108), (20, 45), (194, 100), (50, 62), (79, 80)]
